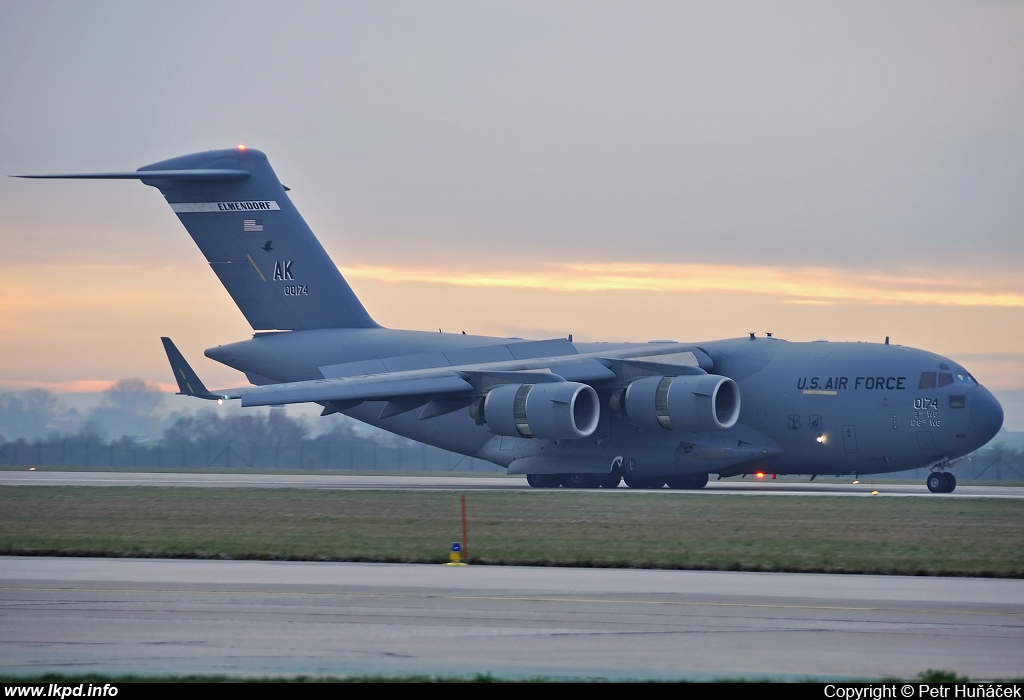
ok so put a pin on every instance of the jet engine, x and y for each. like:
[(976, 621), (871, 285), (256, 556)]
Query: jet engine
[(690, 403), (552, 410)]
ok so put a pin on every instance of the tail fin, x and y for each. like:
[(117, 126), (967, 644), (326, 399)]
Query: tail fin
[(239, 214)]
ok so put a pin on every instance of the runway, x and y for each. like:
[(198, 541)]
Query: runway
[(144, 616), (342, 480)]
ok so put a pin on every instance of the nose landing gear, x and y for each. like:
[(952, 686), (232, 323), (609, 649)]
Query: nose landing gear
[(941, 482)]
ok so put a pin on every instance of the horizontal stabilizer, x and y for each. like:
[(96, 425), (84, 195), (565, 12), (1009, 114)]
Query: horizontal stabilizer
[(193, 174), (189, 383)]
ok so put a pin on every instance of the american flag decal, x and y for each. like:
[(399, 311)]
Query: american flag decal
[(252, 224)]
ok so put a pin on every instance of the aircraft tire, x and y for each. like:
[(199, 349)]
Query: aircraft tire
[(689, 481), (578, 481), (542, 481), (936, 482), (644, 482), (950, 483), (609, 481)]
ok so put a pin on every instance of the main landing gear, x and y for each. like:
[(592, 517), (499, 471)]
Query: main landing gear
[(644, 482), (573, 481), (941, 482), (612, 480), (690, 481), (687, 481), (542, 481)]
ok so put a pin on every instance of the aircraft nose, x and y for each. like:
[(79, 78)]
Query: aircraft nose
[(986, 414)]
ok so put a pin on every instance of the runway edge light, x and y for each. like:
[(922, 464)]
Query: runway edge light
[(459, 553), (455, 556)]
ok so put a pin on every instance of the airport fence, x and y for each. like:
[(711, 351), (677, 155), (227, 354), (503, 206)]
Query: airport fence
[(311, 454), (347, 453)]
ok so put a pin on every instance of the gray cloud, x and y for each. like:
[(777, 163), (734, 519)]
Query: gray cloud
[(858, 134)]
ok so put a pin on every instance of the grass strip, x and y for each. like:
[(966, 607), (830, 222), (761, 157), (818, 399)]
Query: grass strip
[(924, 536)]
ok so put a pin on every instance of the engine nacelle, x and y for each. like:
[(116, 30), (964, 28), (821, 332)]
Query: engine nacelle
[(552, 410), (690, 403)]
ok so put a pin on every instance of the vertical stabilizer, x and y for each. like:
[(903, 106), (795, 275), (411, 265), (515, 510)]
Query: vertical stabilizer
[(258, 244), (240, 216)]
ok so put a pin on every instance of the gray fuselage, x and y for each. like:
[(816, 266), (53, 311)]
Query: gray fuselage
[(807, 408)]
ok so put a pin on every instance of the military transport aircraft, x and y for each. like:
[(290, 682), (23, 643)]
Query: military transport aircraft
[(560, 412)]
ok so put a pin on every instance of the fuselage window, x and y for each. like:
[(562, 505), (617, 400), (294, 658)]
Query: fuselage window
[(957, 401), (945, 379), (927, 380)]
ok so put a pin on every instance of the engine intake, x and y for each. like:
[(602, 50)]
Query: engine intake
[(690, 403), (551, 411)]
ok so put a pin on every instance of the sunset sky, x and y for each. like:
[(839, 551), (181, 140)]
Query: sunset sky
[(614, 170)]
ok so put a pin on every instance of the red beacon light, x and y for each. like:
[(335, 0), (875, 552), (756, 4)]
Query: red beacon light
[(760, 475), (241, 146)]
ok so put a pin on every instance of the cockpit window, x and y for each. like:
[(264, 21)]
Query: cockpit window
[(943, 365), (933, 380)]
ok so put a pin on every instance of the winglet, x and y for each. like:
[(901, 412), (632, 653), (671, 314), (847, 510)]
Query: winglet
[(189, 383)]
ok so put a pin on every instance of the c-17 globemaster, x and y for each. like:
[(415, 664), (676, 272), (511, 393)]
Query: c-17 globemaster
[(560, 412)]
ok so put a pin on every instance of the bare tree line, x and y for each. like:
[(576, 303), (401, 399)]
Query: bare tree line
[(127, 429)]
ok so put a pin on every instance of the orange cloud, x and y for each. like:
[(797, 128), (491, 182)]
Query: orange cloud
[(67, 325), (72, 387), (805, 285)]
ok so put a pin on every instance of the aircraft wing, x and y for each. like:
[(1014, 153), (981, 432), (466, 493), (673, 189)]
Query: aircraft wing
[(422, 382), (449, 381), (379, 387), (438, 390)]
